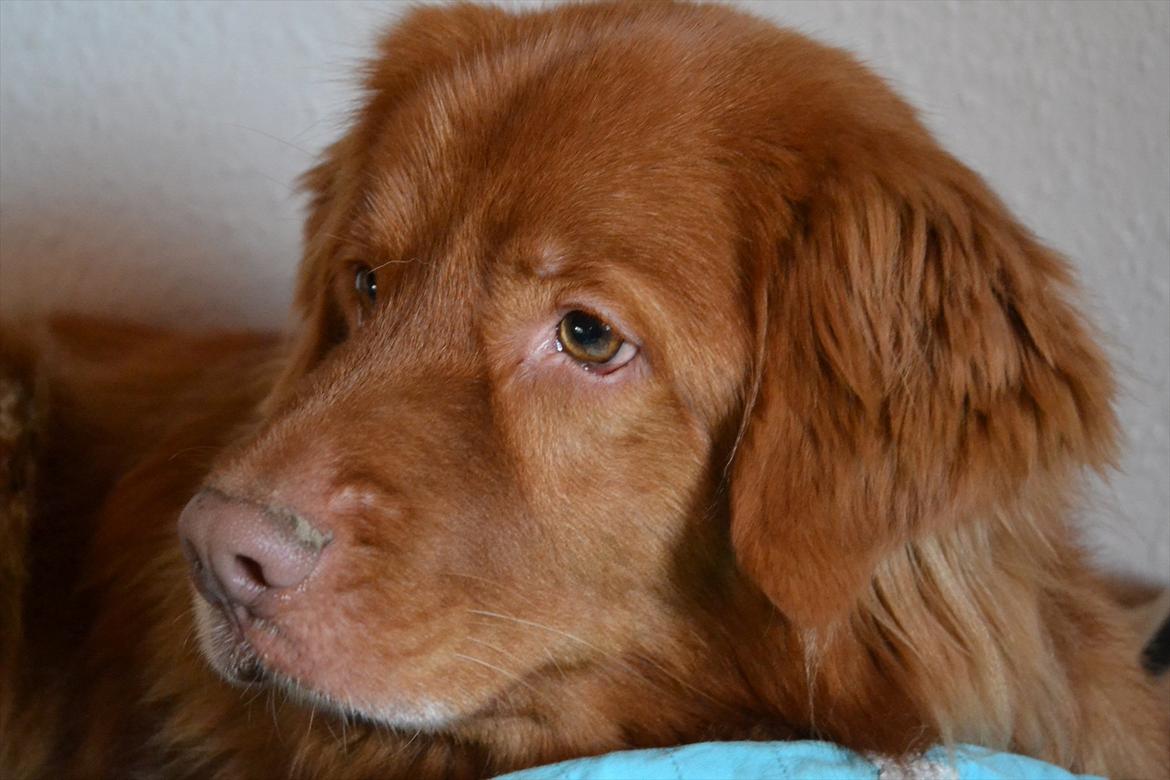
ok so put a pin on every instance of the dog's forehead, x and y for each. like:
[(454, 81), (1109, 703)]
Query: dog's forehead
[(615, 156)]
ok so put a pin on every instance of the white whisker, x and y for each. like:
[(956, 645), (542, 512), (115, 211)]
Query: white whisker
[(613, 656), (507, 673)]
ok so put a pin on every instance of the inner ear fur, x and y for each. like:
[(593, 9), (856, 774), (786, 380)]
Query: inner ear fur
[(919, 366)]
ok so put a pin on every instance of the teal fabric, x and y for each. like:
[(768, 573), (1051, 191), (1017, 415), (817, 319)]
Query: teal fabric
[(792, 761)]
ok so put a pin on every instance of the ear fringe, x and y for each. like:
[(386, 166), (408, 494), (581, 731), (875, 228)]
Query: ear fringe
[(961, 615), (920, 365), (989, 636)]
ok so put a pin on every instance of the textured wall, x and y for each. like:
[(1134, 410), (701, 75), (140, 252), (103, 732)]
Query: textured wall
[(147, 153)]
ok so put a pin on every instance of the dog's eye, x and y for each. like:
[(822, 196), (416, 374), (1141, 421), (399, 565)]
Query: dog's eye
[(365, 281), (587, 339)]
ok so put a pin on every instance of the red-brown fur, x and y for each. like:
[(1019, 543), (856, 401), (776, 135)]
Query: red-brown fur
[(829, 498)]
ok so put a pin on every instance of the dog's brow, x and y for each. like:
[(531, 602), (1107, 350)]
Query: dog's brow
[(549, 262), (386, 206)]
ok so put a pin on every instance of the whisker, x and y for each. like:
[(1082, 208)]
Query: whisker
[(512, 589), (332, 733), (259, 692), (548, 654), (409, 742), (276, 138), (272, 709), (395, 262), (197, 448), (534, 624), (556, 664), (507, 673), (187, 636), (612, 656)]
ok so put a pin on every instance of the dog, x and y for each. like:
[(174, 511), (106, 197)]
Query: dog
[(658, 379)]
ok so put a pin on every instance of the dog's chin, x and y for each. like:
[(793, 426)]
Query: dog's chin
[(230, 648)]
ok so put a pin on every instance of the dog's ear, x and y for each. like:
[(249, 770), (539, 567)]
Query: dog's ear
[(918, 365)]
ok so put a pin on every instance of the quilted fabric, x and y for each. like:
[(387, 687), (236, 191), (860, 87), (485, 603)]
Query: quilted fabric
[(793, 761)]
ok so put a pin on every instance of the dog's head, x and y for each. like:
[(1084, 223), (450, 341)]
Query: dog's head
[(618, 323)]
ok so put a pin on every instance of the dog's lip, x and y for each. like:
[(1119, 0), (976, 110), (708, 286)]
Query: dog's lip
[(240, 659), (254, 651), (259, 654)]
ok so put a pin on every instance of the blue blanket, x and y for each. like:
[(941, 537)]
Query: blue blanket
[(793, 761)]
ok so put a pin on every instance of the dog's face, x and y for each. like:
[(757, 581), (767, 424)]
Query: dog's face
[(526, 332), (603, 318)]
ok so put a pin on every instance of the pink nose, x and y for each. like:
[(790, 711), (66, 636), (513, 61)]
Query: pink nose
[(240, 551)]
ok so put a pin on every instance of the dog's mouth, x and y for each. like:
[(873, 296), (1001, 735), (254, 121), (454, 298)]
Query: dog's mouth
[(251, 652), (238, 648), (226, 640)]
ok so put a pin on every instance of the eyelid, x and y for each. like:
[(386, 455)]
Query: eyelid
[(625, 353)]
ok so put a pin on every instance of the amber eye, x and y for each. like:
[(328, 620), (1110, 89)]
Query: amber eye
[(365, 281), (587, 338)]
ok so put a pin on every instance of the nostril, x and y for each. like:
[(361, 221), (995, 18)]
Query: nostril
[(252, 570), (238, 551)]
